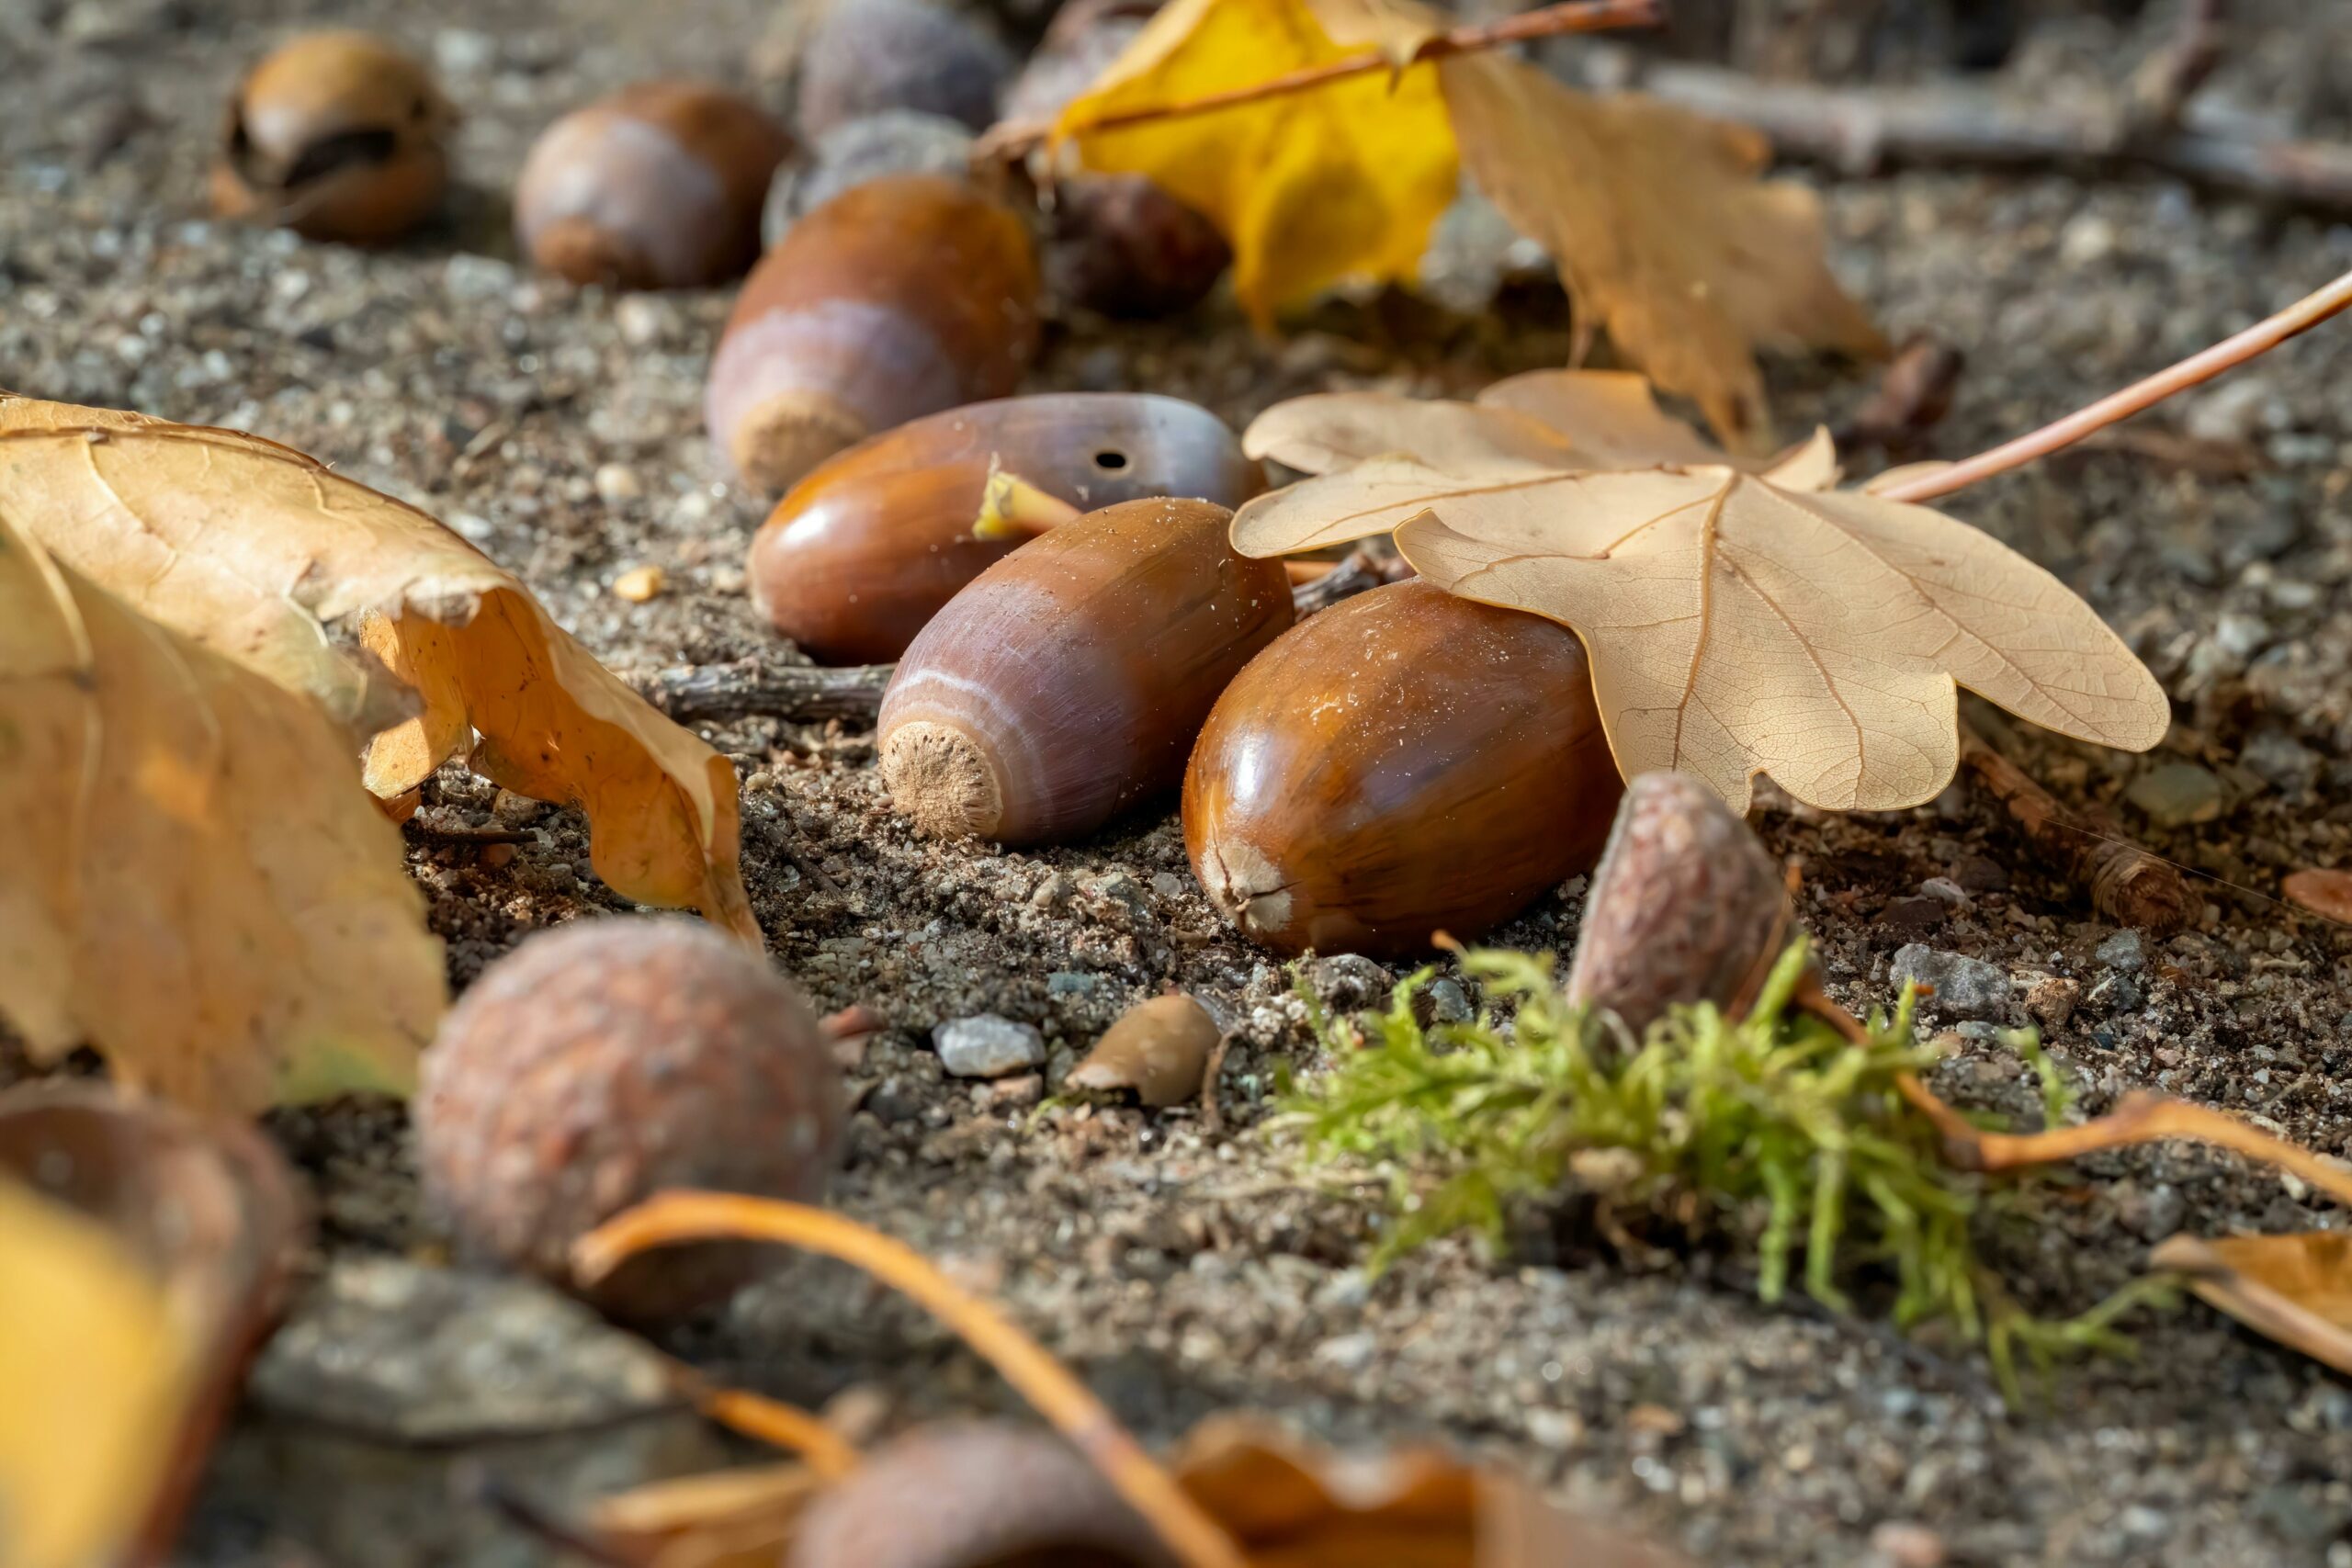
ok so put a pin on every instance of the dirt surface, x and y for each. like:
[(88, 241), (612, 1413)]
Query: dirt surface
[(1184, 1270)]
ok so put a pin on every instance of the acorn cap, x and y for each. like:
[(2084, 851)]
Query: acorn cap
[(783, 437), (943, 780)]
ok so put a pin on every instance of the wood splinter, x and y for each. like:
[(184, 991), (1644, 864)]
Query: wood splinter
[(2127, 883)]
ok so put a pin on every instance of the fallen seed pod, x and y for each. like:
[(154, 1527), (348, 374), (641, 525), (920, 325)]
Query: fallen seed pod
[(337, 136), (973, 1495), (1158, 1049), (865, 56), (605, 1060), (1403, 764), (866, 549), (1068, 682), (659, 185), (898, 297)]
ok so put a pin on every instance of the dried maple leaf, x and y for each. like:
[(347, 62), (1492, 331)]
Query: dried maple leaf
[(1738, 624), (2296, 1290), (190, 879), (267, 556), (1661, 231), (1347, 180), (145, 1253)]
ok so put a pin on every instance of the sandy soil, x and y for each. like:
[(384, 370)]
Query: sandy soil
[(1184, 1270)]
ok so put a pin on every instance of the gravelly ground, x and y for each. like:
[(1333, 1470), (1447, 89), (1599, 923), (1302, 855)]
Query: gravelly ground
[(1184, 1270)]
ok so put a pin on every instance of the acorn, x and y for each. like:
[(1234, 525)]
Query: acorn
[(1121, 246), (866, 549), (1067, 682), (605, 1061), (895, 142), (863, 57), (1403, 764), (659, 185), (337, 136), (970, 1494), (898, 297), (1686, 906)]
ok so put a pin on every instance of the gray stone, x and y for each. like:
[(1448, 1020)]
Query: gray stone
[(2122, 950), (2176, 795), (2282, 761), (2242, 635), (988, 1046), (1945, 890), (397, 1351), (1448, 1002), (1348, 1352), (1071, 983), (1349, 980), (1052, 894), (1965, 987)]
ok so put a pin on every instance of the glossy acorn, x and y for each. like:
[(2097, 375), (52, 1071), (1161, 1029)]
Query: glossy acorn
[(898, 297), (866, 549), (1403, 764), (659, 185), (1067, 682), (337, 136)]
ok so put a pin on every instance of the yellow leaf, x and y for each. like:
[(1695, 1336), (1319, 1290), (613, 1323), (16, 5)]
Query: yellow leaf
[(2295, 1289), (1738, 623), (190, 878), (1661, 229), (265, 556), (1345, 180)]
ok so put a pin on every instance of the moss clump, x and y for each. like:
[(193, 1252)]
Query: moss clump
[(1772, 1127)]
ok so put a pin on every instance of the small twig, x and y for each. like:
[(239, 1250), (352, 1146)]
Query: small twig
[(1013, 139), (770, 1421), (2231, 352), (1913, 395), (672, 1217), (1857, 131), (2127, 883), (2162, 88), (810, 693)]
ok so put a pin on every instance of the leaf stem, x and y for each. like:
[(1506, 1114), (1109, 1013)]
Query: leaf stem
[(672, 1217), (1014, 138), (2227, 355)]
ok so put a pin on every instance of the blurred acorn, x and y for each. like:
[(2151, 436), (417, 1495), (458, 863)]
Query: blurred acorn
[(659, 185), (901, 297), (337, 136), (895, 142), (862, 57), (605, 1061)]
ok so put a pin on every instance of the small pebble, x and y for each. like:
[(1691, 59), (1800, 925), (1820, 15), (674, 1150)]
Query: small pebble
[(640, 583), (618, 483), (1906, 1545), (2122, 950), (2178, 795), (1965, 987), (1943, 889), (988, 1046), (1448, 1004), (2282, 761)]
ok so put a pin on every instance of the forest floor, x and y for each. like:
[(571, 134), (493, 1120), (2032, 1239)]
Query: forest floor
[(1184, 1269)]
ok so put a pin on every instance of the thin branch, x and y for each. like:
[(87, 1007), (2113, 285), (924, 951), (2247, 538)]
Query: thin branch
[(2127, 883), (1046, 1383), (1014, 138), (2264, 335)]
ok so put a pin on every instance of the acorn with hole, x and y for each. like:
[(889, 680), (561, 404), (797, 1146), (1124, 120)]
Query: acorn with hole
[(865, 550), (337, 136), (1404, 764), (1066, 685)]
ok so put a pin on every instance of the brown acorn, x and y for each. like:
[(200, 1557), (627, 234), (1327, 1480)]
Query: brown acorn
[(866, 549), (337, 136), (866, 56), (599, 1063), (1404, 764), (659, 185), (1686, 906), (1067, 682), (898, 297), (1122, 246)]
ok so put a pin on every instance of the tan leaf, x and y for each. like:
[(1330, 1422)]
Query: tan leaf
[(728, 1518), (190, 878), (267, 556), (1395, 28), (1738, 627), (2296, 1290), (1661, 231), (145, 1253)]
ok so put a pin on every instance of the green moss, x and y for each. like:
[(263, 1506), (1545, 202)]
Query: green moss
[(1772, 1128)]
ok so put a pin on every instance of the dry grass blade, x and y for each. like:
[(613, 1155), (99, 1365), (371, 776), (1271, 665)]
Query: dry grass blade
[(171, 817), (270, 558), (703, 1216), (2295, 1289)]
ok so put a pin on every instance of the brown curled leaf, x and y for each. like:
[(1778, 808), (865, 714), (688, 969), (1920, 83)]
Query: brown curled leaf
[(2295, 1289)]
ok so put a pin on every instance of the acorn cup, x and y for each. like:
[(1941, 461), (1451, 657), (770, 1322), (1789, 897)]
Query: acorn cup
[(659, 185), (1404, 764), (898, 297), (865, 550), (337, 135), (1067, 682)]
